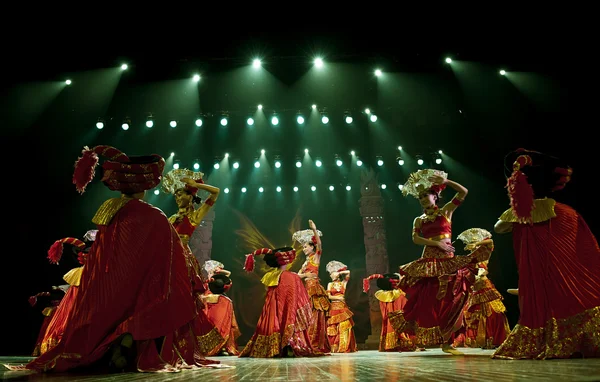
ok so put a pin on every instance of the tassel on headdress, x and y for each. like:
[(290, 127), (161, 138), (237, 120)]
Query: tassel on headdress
[(56, 250), (249, 263), (366, 281)]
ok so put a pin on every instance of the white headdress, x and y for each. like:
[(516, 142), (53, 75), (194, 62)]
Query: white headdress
[(305, 236), (335, 266), (474, 235), (90, 235), (210, 266), (419, 182), (172, 181)]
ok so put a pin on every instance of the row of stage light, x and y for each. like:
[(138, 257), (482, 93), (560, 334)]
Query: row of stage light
[(318, 63), (275, 119), (279, 189), (339, 162)]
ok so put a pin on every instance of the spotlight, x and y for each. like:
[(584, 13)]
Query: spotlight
[(124, 67), (198, 122), (400, 161), (196, 77), (379, 161), (378, 72), (100, 124), (256, 63), (224, 120)]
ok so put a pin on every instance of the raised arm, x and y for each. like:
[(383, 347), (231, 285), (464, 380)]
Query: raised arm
[(461, 194), (319, 246), (214, 191)]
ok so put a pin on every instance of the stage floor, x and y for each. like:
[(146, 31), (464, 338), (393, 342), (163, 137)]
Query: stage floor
[(368, 365)]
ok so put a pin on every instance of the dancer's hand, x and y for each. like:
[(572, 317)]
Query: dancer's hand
[(445, 247), (436, 179), (311, 225)]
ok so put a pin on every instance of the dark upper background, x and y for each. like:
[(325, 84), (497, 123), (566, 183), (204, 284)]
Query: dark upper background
[(465, 109)]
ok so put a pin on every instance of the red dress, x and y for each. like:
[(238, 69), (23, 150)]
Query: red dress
[(206, 337), (558, 259), (340, 326), (485, 318), (391, 304), (284, 320), (54, 331), (134, 281), (319, 302), (219, 309), (436, 286), (48, 313)]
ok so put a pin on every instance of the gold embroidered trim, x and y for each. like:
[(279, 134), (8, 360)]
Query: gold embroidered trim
[(543, 210), (109, 209), (557, 339), (263, 346), (210, 341), (318, 295), (436, 263)]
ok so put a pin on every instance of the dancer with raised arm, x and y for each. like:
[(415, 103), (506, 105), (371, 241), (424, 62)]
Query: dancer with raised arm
[(310, 240), (435, 283), (340, 325)]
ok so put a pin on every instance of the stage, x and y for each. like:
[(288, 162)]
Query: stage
[(368, 365)]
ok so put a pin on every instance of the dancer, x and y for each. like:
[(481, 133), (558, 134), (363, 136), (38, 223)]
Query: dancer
[(54, 331), (134, 284), (310, 240), (340, 326), (219, 309), (485, 318), (391, 302), (558, 261), (282, 329), (435, 283), (51, 302), (212, 267), (184, 184)]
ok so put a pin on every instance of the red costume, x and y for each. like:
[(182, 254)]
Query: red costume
[(391, 303), (48, 312), (485, 317), (318, 296), (206, 335), (558, 260), (340, 325), (135, 279), (219, 309), (436, 284), (282, 328)]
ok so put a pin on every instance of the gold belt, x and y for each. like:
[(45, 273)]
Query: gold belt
[(440, 237)]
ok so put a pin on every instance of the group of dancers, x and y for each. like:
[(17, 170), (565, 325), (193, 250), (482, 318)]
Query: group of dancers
[(140, 300)]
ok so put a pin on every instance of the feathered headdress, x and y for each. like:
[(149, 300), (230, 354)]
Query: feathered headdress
[(306, 236), (335, 266), (121, 172), (56, 250), (172, 181), (418, 182), (210, 266)]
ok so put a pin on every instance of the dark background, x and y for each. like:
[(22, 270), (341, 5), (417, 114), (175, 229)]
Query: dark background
[(423, 104)]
